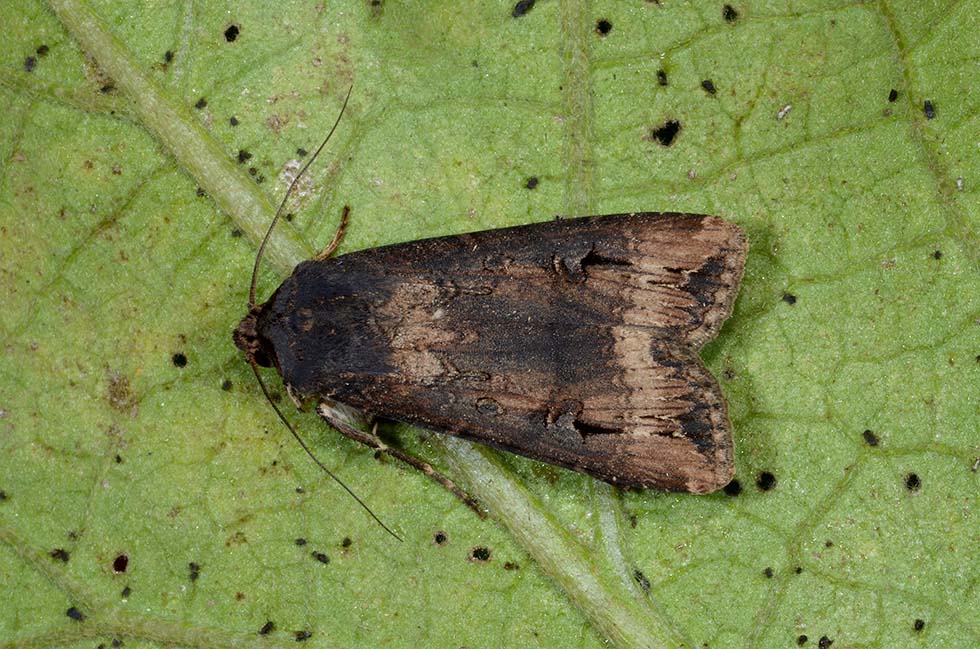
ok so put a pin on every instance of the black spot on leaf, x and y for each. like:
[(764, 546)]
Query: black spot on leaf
[(766, 481), (666, 133), (480, 554), (912, 482), (522, 8), (642, 580)]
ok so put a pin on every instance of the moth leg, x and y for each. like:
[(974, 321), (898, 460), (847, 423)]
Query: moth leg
[(371, 440), (338, 235)]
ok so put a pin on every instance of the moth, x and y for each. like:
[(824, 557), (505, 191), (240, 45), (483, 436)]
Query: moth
[(573, 341)]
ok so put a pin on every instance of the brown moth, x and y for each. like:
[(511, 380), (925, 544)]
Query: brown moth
[(574, 342)]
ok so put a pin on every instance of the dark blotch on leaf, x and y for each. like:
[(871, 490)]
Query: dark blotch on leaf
[(666, 133), (765, 481), (729, 13), (243, 156), (302, 635), (918, 625), (120, 563), (3, 495), (789, 298), (75, 614), (226, 385), (522, 8), (29, 64), (320, 556), (179, 360), (201, 103), (201, 192), (870, 438), (825, 642), (510, 565), (709, 86), (662, 77), (233, 120), (60, 555), (346, 542), (768, 573), (231, 34), (642, 580), (937, 254), (801, 640), (913, 482), (125, 592), (300, 541), (301, 152), (603, 27), (929, 109), (107, 88), (236, 232), (480, 554), (42, 50), (798, 570), (168, 56), (733, 488), (532, 182), (892, 95), (267, 628), (440, 538), (195, 570)]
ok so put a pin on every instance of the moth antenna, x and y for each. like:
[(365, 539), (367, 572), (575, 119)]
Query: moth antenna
[(306, 448), (251, 304), (289, 190)]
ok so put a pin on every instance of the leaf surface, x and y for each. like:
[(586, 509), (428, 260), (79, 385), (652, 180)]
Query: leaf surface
[(149, 494)]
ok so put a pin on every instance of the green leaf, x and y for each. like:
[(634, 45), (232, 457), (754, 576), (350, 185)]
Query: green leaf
[(131, 427)]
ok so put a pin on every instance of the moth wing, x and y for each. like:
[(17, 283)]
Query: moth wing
[(574, 342)]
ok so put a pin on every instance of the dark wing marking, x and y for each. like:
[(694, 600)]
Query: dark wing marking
[(571, 341)]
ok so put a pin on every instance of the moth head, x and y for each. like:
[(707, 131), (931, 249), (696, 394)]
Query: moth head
[(248, 339)]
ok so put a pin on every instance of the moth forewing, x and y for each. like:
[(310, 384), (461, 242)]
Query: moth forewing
[(573, 342)]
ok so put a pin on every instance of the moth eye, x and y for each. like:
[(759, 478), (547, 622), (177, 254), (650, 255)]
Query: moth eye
[(261, 358)]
